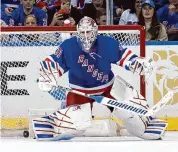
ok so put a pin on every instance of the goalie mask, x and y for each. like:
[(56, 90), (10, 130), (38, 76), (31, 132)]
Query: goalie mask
[(87, 32)]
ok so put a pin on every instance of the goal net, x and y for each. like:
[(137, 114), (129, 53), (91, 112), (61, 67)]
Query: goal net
[(22, 48)]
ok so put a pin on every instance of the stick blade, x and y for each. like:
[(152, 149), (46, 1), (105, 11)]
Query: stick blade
[(157, 107)]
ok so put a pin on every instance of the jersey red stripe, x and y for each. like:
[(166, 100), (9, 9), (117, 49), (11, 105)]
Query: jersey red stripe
[(123, 59)]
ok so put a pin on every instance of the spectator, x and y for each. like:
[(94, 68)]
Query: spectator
[(78, 3), (62, 15), (130, 16), (65, 4), (89, 9), (50, 7), (9, 5), (160, 3), (27, 8), (2, 23), (6, 18), (81, 3), (76, 13), (99, 4), (168, 15), (7, 10), (117, 11), (30, 20), (119, 7), (58, 19), (101, 16), (148, 18)]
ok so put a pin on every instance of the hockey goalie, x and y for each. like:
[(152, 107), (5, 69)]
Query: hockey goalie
[(87, 58)]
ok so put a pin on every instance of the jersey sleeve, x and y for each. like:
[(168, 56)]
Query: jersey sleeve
[(3, 6), (121, 56), (42, 17), (15, 16), (161, 12), (58, 58)]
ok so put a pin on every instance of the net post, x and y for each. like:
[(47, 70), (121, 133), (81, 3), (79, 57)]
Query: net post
[(142, 54)]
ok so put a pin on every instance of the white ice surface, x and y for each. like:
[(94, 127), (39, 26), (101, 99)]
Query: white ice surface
[(92, 144)]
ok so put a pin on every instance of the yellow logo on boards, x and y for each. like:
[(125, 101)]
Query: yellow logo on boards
[(166, 77)]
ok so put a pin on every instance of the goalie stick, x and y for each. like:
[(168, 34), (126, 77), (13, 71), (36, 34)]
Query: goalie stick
[(154, 108), (123, 105)]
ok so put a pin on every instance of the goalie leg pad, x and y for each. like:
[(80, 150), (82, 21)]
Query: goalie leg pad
[(144, 127), (63, 124)]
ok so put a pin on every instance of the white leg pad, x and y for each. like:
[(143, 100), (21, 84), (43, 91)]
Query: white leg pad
[(63, 124), (143, 127)]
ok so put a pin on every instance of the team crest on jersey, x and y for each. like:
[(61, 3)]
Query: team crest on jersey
[(58, 52)]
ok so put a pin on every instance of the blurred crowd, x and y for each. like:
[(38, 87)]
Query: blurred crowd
[(159, 17)]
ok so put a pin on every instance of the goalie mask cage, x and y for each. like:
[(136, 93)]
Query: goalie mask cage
[(22, 48)]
